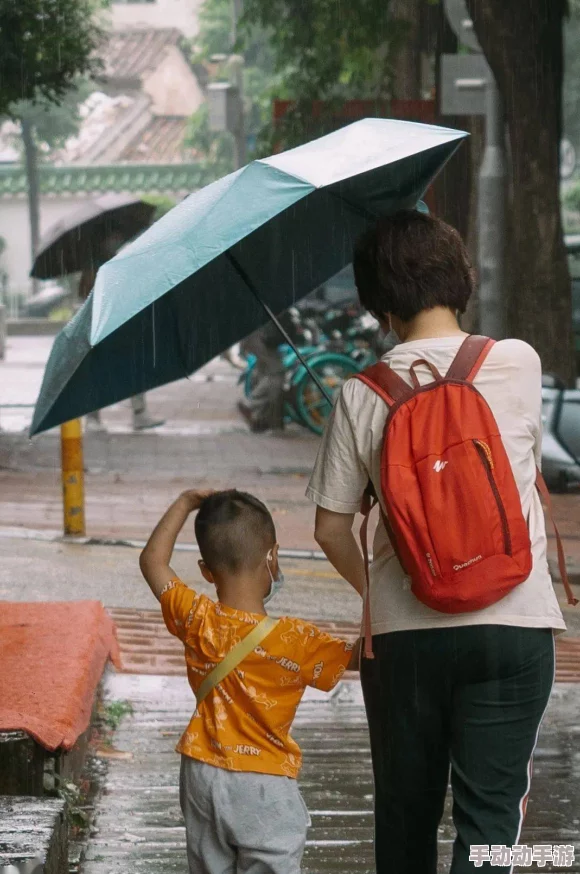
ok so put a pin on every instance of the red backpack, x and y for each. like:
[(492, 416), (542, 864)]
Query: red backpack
[(453, 511)]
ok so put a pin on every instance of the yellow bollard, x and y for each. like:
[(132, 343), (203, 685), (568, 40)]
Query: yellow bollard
[(73, 481)]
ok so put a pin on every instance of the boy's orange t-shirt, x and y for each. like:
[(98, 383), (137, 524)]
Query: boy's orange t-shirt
[(244, 723)]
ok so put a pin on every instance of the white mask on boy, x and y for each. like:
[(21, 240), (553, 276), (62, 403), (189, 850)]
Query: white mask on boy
[(277, 583)]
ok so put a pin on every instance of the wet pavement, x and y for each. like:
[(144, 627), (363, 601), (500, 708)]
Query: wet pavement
[(37, 570), (131, 477), (138, 826), (130, 480)]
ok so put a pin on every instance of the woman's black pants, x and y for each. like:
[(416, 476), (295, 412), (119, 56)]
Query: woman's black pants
[(460, 703)]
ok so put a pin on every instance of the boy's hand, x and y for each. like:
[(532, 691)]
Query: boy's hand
[(155, 558), (195, 497)]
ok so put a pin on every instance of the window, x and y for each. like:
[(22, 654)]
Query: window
[(569, 426)]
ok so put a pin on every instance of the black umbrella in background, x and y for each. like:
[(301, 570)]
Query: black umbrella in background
[(75, 243)]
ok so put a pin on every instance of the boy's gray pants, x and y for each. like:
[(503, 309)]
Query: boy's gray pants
[(241, 823)]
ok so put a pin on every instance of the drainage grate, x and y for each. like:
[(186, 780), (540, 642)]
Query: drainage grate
[(148, 648)]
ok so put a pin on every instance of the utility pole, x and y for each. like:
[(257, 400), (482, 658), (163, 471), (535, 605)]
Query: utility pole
[(236, 64), (33, 186), (226, 99)]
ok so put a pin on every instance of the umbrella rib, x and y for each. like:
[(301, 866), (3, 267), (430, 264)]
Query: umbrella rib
[(250, 285)]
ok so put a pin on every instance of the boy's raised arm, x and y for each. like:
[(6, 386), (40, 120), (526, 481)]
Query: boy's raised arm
[(155, 558)]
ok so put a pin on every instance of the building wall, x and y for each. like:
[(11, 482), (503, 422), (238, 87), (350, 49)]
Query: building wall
[(173, 87), (182, 14), (15, 229)]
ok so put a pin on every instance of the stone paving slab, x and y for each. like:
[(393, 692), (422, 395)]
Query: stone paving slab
[(33, 833), (138, 826)]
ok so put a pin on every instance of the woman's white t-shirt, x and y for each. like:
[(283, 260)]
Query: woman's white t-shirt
[(350, 453)]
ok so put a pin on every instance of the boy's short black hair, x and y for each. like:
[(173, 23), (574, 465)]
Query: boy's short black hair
[(409, 262), (234, 531)]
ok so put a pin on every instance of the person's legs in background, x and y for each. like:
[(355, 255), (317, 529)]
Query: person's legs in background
[(141, 417), (94, 421), (264, 409)]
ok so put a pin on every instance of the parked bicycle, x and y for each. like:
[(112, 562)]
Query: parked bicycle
[(304, 403)]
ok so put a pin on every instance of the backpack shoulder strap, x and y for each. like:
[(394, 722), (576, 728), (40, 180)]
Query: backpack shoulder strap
[(236, 655), (383, 380), (547, 499), (472, 353)]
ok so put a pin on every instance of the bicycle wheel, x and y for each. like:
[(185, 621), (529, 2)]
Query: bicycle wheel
[(249, 376), (332, 369)]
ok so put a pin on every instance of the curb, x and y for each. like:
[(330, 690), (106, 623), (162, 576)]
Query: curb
[(55, 537), (296, 554)]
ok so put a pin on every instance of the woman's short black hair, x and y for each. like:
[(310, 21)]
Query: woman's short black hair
[(409, 262)]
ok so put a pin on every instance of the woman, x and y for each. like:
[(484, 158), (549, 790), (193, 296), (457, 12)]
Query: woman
[(461, 693)]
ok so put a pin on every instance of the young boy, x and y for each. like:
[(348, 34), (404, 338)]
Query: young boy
[(241, 803)]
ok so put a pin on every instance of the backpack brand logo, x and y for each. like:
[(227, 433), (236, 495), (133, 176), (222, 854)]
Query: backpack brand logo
[(439, 466), (459, 567)]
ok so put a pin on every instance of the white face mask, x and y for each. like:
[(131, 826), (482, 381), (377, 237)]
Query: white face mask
[(277, 583), (391, 340)]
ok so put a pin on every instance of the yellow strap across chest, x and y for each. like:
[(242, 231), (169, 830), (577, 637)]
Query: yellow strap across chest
[(236, 655)]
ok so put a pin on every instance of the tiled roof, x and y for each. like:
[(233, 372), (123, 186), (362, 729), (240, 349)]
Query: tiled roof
[(161, 142), (102, 119), (137, 178), (130, 54)]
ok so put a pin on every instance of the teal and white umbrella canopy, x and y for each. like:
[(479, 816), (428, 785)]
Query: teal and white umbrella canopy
[(184, 291)]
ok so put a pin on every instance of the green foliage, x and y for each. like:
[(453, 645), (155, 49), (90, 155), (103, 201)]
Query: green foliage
[(114, 712), (54, 123), (216, 38), (325, 50), (571, 198), (215, 30), (162, 204), (73, 796), (216, 150), (44, 46)]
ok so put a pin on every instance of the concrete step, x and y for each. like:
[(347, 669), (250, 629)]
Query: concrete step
[(33, 835)]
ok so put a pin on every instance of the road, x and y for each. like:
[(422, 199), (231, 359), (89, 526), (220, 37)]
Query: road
[(132, 477)]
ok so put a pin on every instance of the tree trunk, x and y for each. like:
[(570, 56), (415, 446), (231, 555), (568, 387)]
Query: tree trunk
[(453, 184), (31, 164), (406, 57), (523, 43)]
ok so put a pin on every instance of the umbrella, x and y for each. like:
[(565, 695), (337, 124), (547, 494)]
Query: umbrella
[(76, 242), (205, 275)]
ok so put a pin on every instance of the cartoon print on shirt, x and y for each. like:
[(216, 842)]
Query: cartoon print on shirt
[(339, 674), (244, 724), (318, 669), (260, 698), (289, 764), (292, 680)]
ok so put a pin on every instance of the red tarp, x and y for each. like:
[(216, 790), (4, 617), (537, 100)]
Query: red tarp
[(52, 657)]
